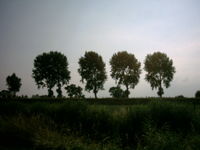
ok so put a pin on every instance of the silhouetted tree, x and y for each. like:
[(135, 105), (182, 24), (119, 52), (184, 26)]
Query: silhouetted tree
[(14, 84), (92, 70), (197, 94), (5, 94), (180, 96), (117, 92), (51, 69), (160, 70), (74, 91), (125, 69)]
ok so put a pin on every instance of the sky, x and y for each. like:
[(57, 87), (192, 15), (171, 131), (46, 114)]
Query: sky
[(29, 28)]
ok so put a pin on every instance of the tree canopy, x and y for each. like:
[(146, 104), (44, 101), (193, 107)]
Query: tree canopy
[(14, 83), (92, 70), (117, 92), (74, 91), (197, 94), (125, 69), (160, 70), (51, 69)]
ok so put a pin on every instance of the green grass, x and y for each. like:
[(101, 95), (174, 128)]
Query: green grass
[(84, 125)]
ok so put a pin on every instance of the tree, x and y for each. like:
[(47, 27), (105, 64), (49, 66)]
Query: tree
[(92, 70), (51, 69), (74, 91), (197, 94), (160, 70), (14, 84), (125, 69), (5, 94), (116, 92)]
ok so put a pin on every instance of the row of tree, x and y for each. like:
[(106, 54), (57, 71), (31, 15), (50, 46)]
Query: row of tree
[(51, 69), (73, 91), (14, 84)]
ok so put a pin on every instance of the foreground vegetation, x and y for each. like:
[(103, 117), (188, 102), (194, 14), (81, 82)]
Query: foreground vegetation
[(141, 124)]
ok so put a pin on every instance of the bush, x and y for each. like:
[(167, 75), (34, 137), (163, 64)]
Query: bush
[(180, 96), (117, 92)]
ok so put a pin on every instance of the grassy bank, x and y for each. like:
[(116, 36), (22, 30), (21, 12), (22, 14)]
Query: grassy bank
[(86, 124)]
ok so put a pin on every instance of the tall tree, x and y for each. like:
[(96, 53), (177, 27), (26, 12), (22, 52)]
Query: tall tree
[(160, 71), (51, 69), (14, 83), (125, 69), (92, 70)]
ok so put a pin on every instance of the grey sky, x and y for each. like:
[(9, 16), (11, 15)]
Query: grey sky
[(28, 28)]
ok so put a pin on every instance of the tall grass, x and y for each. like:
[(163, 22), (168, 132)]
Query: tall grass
[(80, 125)]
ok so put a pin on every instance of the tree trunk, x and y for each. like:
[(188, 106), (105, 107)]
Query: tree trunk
[(95, 94), (127, 91), (59, 91), (50, 92), (160, 89)]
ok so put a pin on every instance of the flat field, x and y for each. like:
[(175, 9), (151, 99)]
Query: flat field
[(102, 124)]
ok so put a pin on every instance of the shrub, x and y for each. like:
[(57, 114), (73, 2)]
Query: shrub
[(117, 92), (180, 96), (74, 91)]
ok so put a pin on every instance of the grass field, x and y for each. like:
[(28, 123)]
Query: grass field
[(104, 124)]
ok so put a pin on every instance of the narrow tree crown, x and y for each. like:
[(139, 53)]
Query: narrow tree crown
[(92, 70), (159, 69), (125, 69)]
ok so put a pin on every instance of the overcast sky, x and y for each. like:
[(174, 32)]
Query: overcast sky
[(31, 27)]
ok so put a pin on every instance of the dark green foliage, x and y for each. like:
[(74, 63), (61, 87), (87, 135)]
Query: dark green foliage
[(125, 69), (5, 94), (160, 70), (177, 117), (92, 70), (117, 92), (51, 69), (161, 139), (74, 91), (180, 96), (197, 94), (14, 84), (68, 124)]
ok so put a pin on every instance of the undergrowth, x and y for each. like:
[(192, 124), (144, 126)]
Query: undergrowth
[(75, 125)]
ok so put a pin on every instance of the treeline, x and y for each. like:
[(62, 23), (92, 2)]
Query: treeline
[(51, 70)]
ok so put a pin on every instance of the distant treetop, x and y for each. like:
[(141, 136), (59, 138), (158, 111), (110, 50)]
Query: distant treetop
[(14, 84)]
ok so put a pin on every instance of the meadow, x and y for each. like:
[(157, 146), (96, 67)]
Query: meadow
[(102, 124)]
